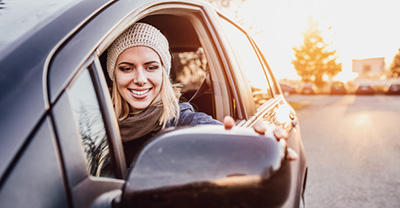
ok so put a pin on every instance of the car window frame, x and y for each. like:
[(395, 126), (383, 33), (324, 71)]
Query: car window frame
[(274, 86), (240, 90), (110, 121), (251, 109)]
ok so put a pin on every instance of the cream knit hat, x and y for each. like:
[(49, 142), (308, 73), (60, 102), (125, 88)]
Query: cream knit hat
[(140, 34)]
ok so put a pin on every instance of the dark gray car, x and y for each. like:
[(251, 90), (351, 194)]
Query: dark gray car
[(60, 141)]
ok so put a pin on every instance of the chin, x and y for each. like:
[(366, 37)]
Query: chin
[(140, 105)]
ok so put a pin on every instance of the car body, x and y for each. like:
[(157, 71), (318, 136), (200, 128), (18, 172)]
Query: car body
[(338, 88), (364, 89), (394, 89), (307, 89), (60, 140), (287, 90)]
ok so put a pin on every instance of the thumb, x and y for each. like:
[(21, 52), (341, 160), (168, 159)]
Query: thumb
[(229, 122)]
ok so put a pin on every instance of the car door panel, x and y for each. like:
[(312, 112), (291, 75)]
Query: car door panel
[(36, 178)]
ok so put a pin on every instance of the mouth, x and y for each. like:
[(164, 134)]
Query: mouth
[(140, 93)]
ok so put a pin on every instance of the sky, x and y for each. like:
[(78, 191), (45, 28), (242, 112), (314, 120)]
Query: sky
[(357, 29)]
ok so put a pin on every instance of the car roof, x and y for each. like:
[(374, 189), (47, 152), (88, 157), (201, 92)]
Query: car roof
[(24, 56), (20, 18)]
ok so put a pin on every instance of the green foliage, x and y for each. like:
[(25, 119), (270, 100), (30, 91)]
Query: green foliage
[(313, 59), (394, 70)]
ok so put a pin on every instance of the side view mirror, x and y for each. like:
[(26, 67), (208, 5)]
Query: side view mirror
[(208, 166)]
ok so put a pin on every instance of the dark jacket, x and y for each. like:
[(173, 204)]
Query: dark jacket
[(188, 117)]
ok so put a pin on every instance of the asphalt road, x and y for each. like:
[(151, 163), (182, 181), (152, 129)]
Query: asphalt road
[(352, 145)]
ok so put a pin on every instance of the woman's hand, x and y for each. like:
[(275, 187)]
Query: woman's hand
[(261, 128)]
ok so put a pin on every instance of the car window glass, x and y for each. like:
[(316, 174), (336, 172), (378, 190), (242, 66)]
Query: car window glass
[(251, 68), (91, 125)]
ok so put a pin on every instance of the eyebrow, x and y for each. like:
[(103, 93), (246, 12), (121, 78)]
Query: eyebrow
[(126, 63), (146, 63), (151, 62)]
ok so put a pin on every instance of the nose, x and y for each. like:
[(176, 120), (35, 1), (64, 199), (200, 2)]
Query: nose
[(140, 77)]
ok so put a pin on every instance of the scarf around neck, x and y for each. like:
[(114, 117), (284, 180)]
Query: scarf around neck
[(138, 125)]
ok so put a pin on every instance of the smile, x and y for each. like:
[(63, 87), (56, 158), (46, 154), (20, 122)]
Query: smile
[(140, 92)]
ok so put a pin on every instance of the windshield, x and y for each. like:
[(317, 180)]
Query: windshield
[(19, 17)]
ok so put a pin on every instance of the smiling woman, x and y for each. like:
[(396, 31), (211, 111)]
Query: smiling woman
[(138, 61)]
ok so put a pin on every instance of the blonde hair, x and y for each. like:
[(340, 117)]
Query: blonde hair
[(168, 99)]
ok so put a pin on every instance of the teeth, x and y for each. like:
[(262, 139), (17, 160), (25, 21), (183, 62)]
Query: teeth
[(140, 92)]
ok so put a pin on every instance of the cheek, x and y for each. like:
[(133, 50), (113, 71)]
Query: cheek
[(159, 81), (121, 79), (156, 79)]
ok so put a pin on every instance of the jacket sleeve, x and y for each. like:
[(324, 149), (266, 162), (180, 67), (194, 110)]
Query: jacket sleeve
[(188, 117)]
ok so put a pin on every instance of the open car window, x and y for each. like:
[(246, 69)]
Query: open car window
[(190, 67), (192, 70)]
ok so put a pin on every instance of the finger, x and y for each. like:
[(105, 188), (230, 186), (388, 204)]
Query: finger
[(291, 154), (260, 127), (280, 133), (229, 122)]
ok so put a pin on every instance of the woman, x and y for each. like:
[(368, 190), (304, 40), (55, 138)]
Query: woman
[(145, 101)]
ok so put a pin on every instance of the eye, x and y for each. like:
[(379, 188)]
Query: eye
[(124, 68), (152, 68)]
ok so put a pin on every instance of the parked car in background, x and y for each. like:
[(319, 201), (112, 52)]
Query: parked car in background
[(287, 90), (394, 89), (364, 89), (307, 89), (60, 139), (338, 88)]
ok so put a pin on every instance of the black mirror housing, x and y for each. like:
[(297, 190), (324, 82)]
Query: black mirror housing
[(208, 166)]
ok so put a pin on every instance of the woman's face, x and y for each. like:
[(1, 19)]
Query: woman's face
[(138, 75)]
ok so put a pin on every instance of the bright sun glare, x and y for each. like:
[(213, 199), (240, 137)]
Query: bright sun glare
[(357, 29)]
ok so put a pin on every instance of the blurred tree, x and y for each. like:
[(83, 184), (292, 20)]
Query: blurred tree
[(313, 59), (394, 70)]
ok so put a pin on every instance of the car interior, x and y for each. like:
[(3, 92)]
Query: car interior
[(189, 69)]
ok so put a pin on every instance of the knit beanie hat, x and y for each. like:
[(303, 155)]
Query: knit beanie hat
[(140, 34)]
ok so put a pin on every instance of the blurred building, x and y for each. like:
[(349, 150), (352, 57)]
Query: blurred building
[(371, 71), (370, 67)]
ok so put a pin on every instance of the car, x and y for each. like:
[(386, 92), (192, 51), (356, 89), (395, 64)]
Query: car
[(394, 89), (364, 89), (287, 90), (307, 89), (338, 88), (60, 140)]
